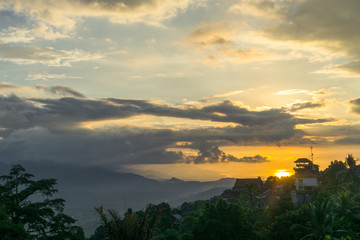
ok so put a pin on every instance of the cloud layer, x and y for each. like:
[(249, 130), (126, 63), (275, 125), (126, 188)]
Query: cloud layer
[(45, 56), (327, 24), (64, 14), (53, 129), (355, 105)]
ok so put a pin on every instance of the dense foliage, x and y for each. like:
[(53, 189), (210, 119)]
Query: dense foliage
[(333, 212), (28, 211)]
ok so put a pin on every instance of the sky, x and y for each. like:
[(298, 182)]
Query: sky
[(194, 89)]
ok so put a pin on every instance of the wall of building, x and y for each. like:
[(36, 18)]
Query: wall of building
[(305, 182)]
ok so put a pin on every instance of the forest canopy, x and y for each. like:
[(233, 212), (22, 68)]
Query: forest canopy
[(29, 211)]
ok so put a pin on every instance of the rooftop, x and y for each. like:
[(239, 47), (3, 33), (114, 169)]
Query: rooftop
[(242, 182), (230, 194), (302, 160)]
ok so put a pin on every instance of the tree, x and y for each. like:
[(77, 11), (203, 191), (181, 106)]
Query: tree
[(347, 212), (351, 175), (281, 223), (271, 182), (165, 218), (43, 219), (10, 230), (134, 226), (321, 223), (99, 234), (330, 182), (350, 161), (169, 234), (187, 224), (222, 221), (252, 190)]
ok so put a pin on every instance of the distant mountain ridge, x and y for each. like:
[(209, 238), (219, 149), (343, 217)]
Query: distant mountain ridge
[(84, 188), (174, 180)]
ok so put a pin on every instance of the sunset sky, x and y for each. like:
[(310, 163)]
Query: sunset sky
[(196, 89)]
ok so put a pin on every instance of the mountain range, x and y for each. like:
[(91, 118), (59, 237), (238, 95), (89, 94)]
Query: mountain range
[(85, 188)]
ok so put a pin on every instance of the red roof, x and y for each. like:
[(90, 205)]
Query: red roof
[(242, 182)]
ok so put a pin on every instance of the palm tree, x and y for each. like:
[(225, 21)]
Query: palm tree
[(347, 211), (350, 161), (112, 223), (351, 175), (346, 206), (134, 226), (321, 223)]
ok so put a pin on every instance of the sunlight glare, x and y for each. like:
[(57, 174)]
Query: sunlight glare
[(282, 174)]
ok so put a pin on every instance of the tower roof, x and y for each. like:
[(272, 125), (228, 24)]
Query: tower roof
[(302, 160)]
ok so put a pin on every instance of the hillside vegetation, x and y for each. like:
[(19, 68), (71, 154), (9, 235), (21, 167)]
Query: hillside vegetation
[(28, 210)]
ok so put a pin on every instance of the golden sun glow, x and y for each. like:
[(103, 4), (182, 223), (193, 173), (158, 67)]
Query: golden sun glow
[(282, 174)]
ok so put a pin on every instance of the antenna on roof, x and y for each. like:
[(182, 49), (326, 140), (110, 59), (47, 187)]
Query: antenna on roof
[(312, 155)]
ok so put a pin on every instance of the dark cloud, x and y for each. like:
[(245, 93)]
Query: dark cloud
[(349, 140), (208, 155), (18, 113), (355, 105), (53, 112), (254, 159), (79, 110), (15, 113), (60, 90), (113, 147), (48, 129), (330, 24), (337, 131), (305, 105), (106, 147), (73, 109), (353, 67), (338, 134), (310, 121), (220, 112), (212, 154)]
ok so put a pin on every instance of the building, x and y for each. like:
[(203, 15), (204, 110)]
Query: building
[(242, 183), (306, 180), (230, 195), (241, 186)]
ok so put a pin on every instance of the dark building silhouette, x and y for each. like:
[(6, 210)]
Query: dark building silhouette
[(306, 180)]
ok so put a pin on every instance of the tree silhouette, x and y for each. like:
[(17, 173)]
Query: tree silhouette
[(222, 221), (41, 219), (252, 190), (332, 176), (134, 226), (10, 230), (347, 212), (351, 175), (321, 223)]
